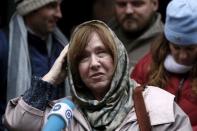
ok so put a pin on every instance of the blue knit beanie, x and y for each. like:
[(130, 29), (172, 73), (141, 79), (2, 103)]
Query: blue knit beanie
[(181, 22)]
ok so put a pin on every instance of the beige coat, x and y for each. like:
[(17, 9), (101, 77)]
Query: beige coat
[(162, 110)]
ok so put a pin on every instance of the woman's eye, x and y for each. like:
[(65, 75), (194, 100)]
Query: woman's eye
[(176, 47), (102, 53), (84, 57), (190, 48)]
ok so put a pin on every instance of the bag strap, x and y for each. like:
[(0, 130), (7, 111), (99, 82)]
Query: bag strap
[(140, 109)]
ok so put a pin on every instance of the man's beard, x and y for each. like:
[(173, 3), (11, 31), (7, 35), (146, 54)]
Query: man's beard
[(138, 30)]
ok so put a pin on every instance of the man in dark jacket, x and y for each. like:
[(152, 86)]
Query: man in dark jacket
[(137, 24), (32, 45)]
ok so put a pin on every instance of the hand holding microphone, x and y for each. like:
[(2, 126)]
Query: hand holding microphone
[(60, 116)]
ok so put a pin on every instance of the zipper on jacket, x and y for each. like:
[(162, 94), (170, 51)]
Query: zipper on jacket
[(179, 90)]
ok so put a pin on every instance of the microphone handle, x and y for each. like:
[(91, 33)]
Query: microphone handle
[(52, 123)]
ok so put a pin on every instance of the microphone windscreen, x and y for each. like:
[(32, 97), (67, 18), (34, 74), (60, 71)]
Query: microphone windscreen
[(59, 116)]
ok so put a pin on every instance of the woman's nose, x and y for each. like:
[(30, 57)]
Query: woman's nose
[(183, 55), (95, 62)]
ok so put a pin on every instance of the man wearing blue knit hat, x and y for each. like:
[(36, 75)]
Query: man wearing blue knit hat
[(34, 43), (172, 63)]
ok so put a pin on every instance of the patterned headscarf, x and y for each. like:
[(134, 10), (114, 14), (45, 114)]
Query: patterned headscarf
[(110, 112)]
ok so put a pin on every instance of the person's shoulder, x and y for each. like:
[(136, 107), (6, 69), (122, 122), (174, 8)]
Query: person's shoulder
[(140, 71), (159, 104), (163, 111), (153, 91), (144, 61)]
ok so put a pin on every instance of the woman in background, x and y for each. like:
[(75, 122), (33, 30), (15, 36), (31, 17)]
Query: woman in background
[(172, 62)]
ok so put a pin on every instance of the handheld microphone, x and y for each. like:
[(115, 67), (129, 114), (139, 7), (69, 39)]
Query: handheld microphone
[(60, 116)]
